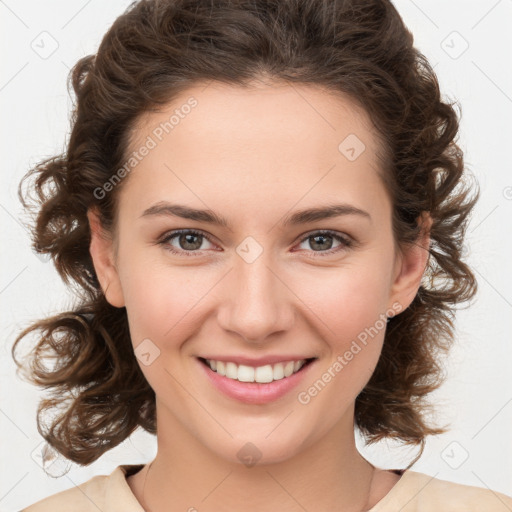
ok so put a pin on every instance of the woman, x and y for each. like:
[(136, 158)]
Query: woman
[(262, 203)]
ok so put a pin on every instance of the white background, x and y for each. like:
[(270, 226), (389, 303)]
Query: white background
[(476, 397)]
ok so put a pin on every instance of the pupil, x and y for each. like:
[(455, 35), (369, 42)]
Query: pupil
[(186, 239), (316, 245)]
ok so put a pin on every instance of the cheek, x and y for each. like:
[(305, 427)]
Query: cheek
[(352, 325), (161, 307), (161, 301), (350, 316), (347, 300)]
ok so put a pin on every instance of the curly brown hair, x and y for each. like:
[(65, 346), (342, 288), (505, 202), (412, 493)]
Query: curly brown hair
[(152, 52)]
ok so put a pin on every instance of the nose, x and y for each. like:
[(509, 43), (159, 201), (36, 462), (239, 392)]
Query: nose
[(257, 301)]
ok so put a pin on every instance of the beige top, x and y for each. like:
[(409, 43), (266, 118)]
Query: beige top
[(414, 492)]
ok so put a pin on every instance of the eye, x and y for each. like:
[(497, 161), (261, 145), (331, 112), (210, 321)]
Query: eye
[(321, 242), (189, 241)]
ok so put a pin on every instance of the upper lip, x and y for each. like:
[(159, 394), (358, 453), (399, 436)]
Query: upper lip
[(256, 361)]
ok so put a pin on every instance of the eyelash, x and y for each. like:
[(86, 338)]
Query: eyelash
[(345, 241)]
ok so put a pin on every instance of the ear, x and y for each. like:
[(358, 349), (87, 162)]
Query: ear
[(102, 254), (410, 265)]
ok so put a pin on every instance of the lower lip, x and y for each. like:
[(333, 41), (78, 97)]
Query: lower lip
[(255, 392)]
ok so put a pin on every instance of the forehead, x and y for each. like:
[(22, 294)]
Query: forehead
[(258, 111), (264, 141)]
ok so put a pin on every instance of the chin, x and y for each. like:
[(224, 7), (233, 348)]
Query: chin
[(255, 450)]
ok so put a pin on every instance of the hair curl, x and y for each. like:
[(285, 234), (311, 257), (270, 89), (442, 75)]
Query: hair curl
[(157, 49)]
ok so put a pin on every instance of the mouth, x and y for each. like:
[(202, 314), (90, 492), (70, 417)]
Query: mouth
[(264, 374), (255, 385)]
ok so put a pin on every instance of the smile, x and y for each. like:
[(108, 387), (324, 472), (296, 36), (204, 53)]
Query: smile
[(255, 384), (260, 374)]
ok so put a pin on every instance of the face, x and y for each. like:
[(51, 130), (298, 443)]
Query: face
[(266, 286)]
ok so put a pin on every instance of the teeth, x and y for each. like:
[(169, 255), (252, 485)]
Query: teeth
[(261, 374), (264, 373), (221, 368), (245, 373), (231, 371), (288, 369)]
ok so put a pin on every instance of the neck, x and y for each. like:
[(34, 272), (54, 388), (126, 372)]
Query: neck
[(328, 475)]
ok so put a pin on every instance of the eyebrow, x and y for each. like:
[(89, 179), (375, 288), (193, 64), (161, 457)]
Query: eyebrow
[(299, 217)]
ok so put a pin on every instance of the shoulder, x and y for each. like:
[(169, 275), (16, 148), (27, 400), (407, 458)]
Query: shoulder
[(103, 492), (427, 493), (85, 497)]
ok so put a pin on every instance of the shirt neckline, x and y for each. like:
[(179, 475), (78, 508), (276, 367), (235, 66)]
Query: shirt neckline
[(123, 471), (394, 492)]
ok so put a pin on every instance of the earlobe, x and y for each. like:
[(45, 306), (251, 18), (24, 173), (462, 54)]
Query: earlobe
[(102, 254), (412, 261)]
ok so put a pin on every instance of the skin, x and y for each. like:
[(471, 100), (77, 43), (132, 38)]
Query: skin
[(255, 156)]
